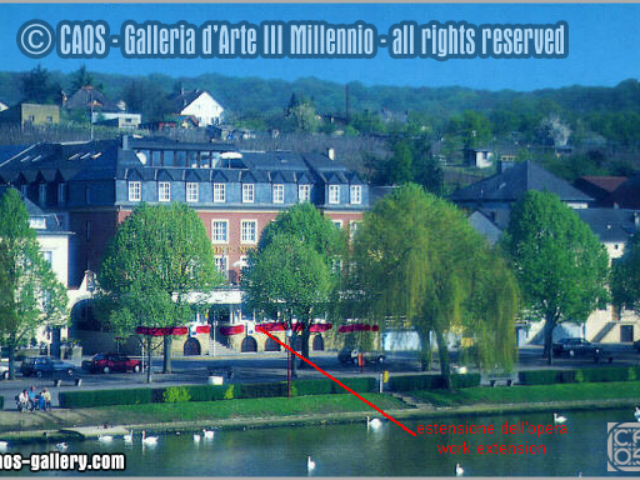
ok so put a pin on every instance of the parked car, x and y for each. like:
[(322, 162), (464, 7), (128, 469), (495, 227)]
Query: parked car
[(576, 347), (41, 366), (349, 356), (111, 362), (4, 371)]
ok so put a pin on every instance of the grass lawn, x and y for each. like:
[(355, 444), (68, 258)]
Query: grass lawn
[(261, 407), (531, 394)]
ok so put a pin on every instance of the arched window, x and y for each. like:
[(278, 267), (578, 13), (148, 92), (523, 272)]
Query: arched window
[(272, 346), (192, 347), (249, 344), (318, 343)]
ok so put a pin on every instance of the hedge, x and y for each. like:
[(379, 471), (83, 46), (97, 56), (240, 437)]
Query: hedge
[(104, 398), (406, 383), (312, 387), (1, 403), (261, 390), (548, 377)]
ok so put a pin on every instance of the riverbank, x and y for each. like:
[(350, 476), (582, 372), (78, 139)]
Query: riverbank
[(315, 410)]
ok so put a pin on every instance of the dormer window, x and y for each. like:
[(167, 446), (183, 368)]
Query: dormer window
[(38, 223), (135, 191), (356, 194), (192, 192), (219, 193), (164, 191), (278, 194), (304, 193), (248, 193), (334, 194)]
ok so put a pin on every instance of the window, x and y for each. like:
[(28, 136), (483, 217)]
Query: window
[(353, 228), (49, 119), (192, 192), (304, 193), (249, 231), (219, 192), (338, 223), (135, 191), (278, 194), (220, 231), (248, 193), (334, 194), (38, 223), (42, 194), (221, 265), (62, 191), (48, 256), (356, 194), (32, 118), (164, 192)]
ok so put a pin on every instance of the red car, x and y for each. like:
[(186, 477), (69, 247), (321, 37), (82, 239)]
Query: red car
[(111, 362)]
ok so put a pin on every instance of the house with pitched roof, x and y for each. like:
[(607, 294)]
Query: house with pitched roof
[(600, 188), (100, 109), (199, 104)]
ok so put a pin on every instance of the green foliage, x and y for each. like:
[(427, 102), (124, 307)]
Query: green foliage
[(359, 385), (37, 86), (103, 398), (539, 377), (176, 395), (583, 375), (228, 394), (561, 266), (625, 286), (407, 383), (312, 387), (261, 390), (1, 403)]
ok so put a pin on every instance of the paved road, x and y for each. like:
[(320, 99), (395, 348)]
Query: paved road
[(265, 367)]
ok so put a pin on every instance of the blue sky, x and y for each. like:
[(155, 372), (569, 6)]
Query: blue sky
[(603, 43)]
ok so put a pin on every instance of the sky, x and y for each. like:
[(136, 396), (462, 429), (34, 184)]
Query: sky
[(603, 44)]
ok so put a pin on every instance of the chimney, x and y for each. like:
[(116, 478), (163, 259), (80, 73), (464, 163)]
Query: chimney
[(125, 142), (331, 153)]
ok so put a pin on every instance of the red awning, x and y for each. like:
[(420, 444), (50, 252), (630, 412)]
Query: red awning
[(203, 329), (234, 330), (161, 332), (320, 327), (271, 327), (358, 327)]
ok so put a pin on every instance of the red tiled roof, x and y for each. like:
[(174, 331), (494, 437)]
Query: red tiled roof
[(605, 183)]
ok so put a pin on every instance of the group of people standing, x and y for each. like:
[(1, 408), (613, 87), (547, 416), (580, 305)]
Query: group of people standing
[(30, 400)]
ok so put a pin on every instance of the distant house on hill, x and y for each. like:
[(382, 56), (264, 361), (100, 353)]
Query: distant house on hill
[(26, 114), (199, 104), (600, 188), (627, 195), (478, 157), (100, 109), (511, 183)]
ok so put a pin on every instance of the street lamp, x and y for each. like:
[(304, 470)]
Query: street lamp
[(289, 334)]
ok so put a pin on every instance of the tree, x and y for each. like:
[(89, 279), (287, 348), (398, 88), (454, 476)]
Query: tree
[(400, 168), (30, 294), (149, 98), (302, 114), (625, 284), (417, 260), (426, 169), (158, 263), (315, 233), (561, 266), (82, 78), (36, 86)]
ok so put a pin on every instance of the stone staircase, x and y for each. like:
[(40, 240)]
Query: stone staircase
[(220, 349)]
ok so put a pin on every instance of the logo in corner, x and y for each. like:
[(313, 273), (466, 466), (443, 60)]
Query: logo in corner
[(623, 447), (36, 39)]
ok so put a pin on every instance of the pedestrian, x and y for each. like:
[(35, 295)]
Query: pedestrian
[(23, 401), (46, 394), (33, 397), (42, 403)]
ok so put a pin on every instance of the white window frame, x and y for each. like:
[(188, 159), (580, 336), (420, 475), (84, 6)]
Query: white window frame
[(248, 192), (62, 190), (164, 191), (333, 190), (355, 194), (225, 264), (213, 234), (304, 193), (278, 188), (191, 188), (337, 223), (135, 190), (354, 225), (219, 193), (244, 239)]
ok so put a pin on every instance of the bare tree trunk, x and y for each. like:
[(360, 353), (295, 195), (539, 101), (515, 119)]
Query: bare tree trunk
[(12, 362), (443, 353), (549, 325), (149, 359), (168, 340), (425, 354), (294, 363), (306, 335)]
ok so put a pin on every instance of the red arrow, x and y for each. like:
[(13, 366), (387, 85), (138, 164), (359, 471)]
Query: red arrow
[(338, 382)]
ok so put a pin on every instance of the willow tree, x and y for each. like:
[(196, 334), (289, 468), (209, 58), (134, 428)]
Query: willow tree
[(417, 259), (160, 254)]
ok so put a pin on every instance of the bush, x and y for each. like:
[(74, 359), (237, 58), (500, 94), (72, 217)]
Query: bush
[(539, 377), (312, 387), (467, 380), (102, 398), (359, 385), (617, 374), (1, 403), (568, 376), (261, 390), (228, 394), (206, 393), (407, 383), (176, 395)]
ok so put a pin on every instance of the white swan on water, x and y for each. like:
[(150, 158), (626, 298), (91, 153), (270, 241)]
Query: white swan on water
[(311, 465), (62, 446), (128, 438), (148, 440), (459, 470), (373, 423), (105, 438), (208, 434), (3, 445), (196, 437), (558, 418)]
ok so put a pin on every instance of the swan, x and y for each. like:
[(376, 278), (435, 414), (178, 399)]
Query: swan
[(459, 470), (637, 414), (128, 438), (62, 446), (105, 438), (208, 434), (558, 418), (4, 445), (148, 440), (375, 423), (310, 464), (196, 437)]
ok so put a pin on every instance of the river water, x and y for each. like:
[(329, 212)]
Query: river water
[(352, 450)]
